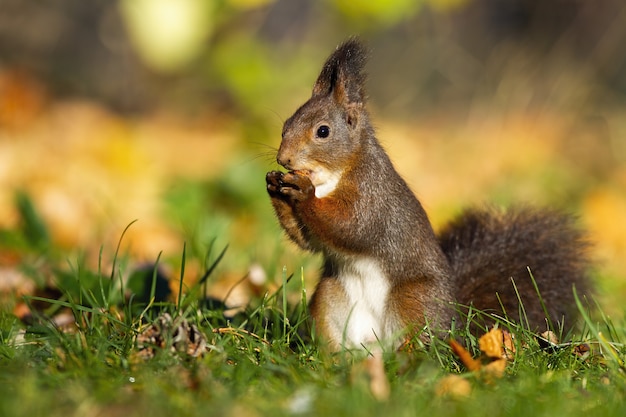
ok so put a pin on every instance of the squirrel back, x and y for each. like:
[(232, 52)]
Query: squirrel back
[(385, 272)]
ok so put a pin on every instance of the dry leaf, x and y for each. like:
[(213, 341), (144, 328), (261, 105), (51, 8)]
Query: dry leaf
[(181, 337), (497, 344), (453, 386), (550, 336), (495, 368), (508, 345), (469, 362), (497, 347), (491, 343), (22, 98), (582, 351), (13, 281), (370, 373), (379, 385)]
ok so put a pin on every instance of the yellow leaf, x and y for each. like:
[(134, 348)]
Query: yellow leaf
[(453, 386), (379, 385), (491, 343), (495, 368)]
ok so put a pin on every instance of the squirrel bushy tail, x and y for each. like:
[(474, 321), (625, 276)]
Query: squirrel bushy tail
[(497, 257)]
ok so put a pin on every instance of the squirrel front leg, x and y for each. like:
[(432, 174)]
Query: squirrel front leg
[(285, 190), (312, 222)]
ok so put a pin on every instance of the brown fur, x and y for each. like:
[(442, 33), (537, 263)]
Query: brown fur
[(376, 237), (328, 295), (491, 253)]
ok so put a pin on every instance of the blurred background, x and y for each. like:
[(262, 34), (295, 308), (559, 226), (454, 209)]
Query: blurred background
[(169, 112)]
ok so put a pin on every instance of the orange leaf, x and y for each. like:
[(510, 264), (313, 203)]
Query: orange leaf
[(495, 368), (491, 343), (469, 362), (509, 345), (453, 386), (379, 385)]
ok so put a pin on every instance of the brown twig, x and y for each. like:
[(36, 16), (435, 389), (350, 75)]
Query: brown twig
[(240, 332)]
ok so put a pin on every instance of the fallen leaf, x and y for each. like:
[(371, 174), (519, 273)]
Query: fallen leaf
[(582, 351), (176, 333), (491, 343), (467, 359), (369, 373), (550, 336), (453, 386), (497, 348), (508, 345), (379, 385), (495, 368)]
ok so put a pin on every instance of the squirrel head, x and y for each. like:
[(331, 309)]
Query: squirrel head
[(325, 134)]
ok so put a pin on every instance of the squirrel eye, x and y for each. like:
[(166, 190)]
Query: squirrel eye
[(323, 131)]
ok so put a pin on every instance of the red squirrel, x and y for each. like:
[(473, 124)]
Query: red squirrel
[(386, 274)]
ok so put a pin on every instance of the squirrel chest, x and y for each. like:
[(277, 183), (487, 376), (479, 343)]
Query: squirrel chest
[(357, 314)]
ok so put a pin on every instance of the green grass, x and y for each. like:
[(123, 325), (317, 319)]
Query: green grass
[(264, 364), (263, 361)]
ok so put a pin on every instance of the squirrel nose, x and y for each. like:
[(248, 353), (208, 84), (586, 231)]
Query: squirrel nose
[(288, 154), (283, 158), (282, 161)]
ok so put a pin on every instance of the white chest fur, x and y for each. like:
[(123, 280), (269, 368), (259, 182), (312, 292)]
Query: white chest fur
[(324, 181), (362, 319)]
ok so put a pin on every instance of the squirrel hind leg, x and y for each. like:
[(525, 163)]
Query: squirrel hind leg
[(491, 253)]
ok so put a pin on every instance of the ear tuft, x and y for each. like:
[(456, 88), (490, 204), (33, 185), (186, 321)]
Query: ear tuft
[(342, 74)]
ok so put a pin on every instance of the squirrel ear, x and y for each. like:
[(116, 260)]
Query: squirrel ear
[(342, 74)]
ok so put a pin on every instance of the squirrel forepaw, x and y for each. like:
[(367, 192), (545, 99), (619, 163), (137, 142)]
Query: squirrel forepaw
[(274, 180), (291, 185)]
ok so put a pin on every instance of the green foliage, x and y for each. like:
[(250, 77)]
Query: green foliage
[(263, 362), (380, 12), (33, 227), (168, 34), (232, 207)]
